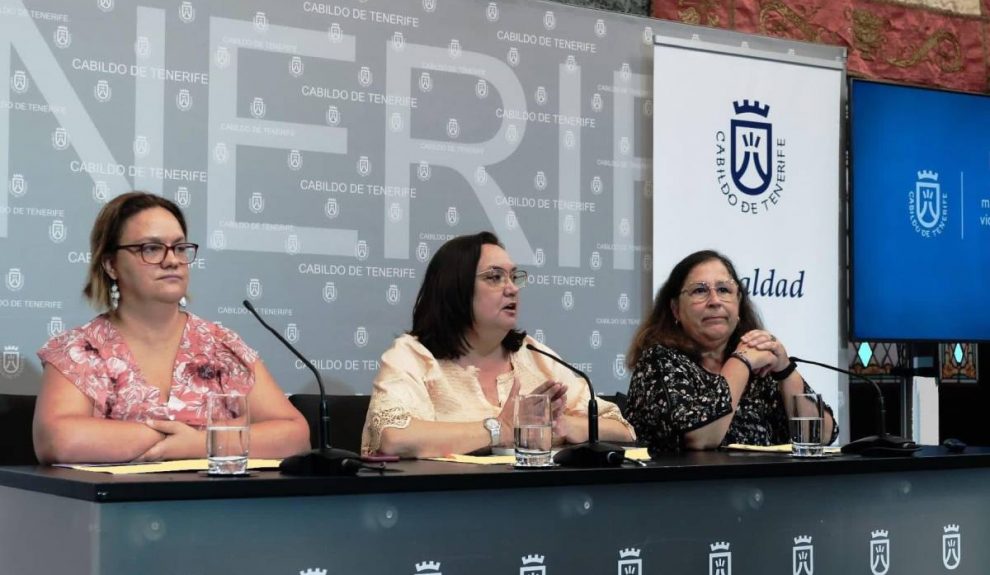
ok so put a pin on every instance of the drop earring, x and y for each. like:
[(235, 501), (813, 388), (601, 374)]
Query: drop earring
[(183, 302), (114, 296)]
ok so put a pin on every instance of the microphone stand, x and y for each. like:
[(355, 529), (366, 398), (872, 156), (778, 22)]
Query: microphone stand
[(881, 445), (593, 453), (324, 461)]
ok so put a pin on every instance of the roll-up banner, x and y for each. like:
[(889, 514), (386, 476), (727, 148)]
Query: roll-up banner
[(746, 161)]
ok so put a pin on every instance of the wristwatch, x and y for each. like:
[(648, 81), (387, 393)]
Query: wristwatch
[(494, 427)]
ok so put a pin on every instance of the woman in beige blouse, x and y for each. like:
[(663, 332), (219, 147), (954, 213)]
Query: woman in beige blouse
[(447, 386)]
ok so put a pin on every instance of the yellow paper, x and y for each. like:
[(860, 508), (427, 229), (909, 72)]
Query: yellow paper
[(783, 448), (637, 453), (167, 466)]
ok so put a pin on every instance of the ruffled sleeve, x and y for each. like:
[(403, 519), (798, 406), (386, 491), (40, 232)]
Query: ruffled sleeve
[(399, 392), (670, 395), (85, 358)]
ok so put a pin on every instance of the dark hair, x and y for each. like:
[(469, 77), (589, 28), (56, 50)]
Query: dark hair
[(105, 236), (660, 327), (444, 310)]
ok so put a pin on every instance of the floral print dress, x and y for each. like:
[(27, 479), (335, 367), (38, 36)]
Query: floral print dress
[(96, 359)]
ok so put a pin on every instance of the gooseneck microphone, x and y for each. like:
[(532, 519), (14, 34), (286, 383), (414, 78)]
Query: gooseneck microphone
[(881, 445), (593, 453), (324, 460)]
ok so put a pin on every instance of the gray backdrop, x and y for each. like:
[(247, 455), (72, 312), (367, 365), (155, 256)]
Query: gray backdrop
[(322, 151)]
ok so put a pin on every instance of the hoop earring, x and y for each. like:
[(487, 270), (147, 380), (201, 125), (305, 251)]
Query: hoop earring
[(114, 296), (183, 302)]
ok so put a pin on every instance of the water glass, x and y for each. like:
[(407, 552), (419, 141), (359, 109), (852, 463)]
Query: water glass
[(805, 414), (228, 433), (533, 433)]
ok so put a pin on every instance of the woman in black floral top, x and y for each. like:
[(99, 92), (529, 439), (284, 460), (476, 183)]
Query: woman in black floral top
[(705, 372)]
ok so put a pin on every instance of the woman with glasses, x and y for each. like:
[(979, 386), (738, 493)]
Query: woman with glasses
[(131, 385), (448, 385), (705, 372)]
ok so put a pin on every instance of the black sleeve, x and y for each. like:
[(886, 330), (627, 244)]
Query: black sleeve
[(670, 395)]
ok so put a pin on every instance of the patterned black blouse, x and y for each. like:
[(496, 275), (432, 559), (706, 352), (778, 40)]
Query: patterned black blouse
[(670, 395)]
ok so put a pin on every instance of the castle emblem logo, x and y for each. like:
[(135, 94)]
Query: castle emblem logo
[(141, 146), (624, 145), (928, 205), (539, 336), (625, 228), (186, 12), (254, 289), (625, 72), (218, 240), (313, 571), (60, 139), (101, 191), (569, 139), (256, 203), (751, 144), (491, 12), (533, 565), (361, 250), (453, 128), (596, 342), (481, 88), (513, 56), (395, 212), (63, 39), (422, 252), (803, 556), (624, 301), (425, 82), (102, 91), (55, 326), (260, 22), (648, 107), (222, 57), (292, 244), (951, 546), (398, 41), (428, 568), (364, 166), (335, 33), (595, 261), (429, 5), (183, 100), (292, 333), (423, 171), (511, 133), (629, 562), (540, 181), (333, 115), (361, 336), (549, 20), (539, 258), (258, 108), (220, 153), (105, 5), (648, 36), (454, 48), (392, 294), (596, 185), (569, 223), (600, 29), (452, 216), (570, 63), (142, 47), (19, 82), (182, 196), (12, 364), (294, 160), (619, 366), (56, 231), (365, 77), (510, 220), (18, 185), (879, 552), (15, 279), (332, 208), (596, 102), (541, 95), (567, 300), (330, 292), (296, 66), (719, 559)]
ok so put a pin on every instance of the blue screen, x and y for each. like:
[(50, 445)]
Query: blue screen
[(920, 211)]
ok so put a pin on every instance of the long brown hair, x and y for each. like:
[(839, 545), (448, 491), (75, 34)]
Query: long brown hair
[(661, 327)]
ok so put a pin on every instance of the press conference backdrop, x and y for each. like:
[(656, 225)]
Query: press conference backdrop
[(753, 171), (322, 152)]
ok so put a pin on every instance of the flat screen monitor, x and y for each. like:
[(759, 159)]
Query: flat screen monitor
[(920, 213)]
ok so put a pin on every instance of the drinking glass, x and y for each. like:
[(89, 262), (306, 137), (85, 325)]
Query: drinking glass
[(228, 433), (533, 433), (805, 415)]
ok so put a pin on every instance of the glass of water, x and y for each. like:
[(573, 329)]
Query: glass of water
[(805, 414), (228, 433), (533, 433)]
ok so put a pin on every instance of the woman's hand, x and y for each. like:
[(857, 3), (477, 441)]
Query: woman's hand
[(764, 341), (558, 396), (505, 417), (179, 441)]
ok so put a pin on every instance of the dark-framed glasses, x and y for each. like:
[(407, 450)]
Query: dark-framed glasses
[(155, 252), (499, 278), (700, 292)]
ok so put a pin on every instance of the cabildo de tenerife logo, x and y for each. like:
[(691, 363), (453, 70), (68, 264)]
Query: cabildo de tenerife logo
[(749, 162), (719, 559), (951, 546), (879, 552), (928, 205)]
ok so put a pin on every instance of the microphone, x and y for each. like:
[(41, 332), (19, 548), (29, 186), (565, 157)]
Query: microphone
[(323, 461), (593, 453), (881, 445)]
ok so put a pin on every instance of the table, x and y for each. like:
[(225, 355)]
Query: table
[(716, 512)]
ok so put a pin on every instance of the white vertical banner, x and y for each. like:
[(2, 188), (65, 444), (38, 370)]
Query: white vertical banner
[(746, 161)]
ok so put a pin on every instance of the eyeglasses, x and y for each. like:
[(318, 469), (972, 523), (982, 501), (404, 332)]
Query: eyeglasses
[(154, 252), (700, 292), (499, 278)]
